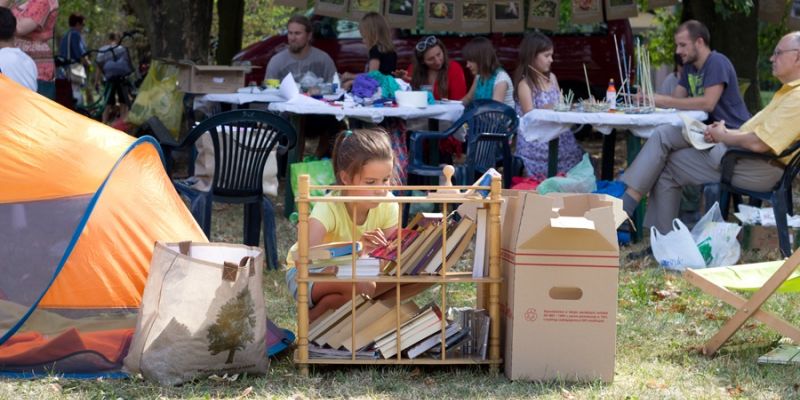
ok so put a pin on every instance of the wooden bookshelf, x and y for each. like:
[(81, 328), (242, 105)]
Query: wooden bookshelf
[(447, 197)]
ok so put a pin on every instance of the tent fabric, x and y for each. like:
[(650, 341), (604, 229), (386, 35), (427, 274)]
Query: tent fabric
[(81, 207)]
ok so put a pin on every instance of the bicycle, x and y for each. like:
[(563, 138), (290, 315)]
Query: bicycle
[(95, 109)]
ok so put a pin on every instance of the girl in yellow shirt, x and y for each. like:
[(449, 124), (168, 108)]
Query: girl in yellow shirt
[(362, 157)]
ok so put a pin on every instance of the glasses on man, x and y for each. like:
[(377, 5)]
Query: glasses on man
[(775, 53), (426, 43)]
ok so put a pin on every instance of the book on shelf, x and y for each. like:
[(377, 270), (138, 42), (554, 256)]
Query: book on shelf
[(364, 316), (433, 340), (476, 322), (322, 325), (385, 322), (389, 252), (327, 251), (462, 246), (324, 352), (419, 257), (458, 233), (426, 323), (480, 259), (454, 345), (365, 266)]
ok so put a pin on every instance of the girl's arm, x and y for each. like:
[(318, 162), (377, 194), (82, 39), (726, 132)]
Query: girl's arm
[(316, 232), (499, 92), (471, 94), (525, 96)]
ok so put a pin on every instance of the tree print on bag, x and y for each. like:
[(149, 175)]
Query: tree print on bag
[(233, 328)]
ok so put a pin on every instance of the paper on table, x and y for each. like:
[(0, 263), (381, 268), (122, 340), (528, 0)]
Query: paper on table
[(693, 132), (291, 93)]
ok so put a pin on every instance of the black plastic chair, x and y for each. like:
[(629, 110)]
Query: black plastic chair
[(243, 140), (490, 128), (780, 196)]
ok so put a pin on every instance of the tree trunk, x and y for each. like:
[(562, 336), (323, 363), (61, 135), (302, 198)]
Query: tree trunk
[(737, 38), (231, 20), (177, 29), (230, 356)]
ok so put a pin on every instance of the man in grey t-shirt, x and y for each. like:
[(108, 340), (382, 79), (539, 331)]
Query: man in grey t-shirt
[(300, 57), (708, 82)]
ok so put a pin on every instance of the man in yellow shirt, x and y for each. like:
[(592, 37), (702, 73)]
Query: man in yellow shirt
[(667, 162)]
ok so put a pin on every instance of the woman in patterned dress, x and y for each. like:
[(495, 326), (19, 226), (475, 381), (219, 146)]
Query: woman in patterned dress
[(537, 87), (36, 20)]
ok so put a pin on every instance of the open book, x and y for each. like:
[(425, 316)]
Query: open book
[(693, 132)]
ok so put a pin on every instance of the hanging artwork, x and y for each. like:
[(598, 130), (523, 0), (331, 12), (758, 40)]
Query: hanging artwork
[(794, 16), (508, 16), (440, 16), (475, 16), (401, 13), (543, 14), (359, 8), (620, 9), (331, 8), (586, 11)]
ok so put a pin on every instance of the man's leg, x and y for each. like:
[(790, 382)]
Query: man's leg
[(687, 166), (642, 174)]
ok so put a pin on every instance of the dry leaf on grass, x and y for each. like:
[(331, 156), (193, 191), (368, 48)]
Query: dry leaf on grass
[(735, 390), (654, 384), (567, 395), (246, 392), (429, 381), (416, 372), (55, 387)]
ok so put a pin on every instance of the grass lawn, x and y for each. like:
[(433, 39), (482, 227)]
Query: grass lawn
[(661, 321)]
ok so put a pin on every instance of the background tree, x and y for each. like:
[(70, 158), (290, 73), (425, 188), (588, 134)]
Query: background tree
[(231, 20), (233, 328), (177, 29)]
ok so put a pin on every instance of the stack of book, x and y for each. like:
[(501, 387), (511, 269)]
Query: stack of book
[(376, 333), (422, 253), (340, 255)]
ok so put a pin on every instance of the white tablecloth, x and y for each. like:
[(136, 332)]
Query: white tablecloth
[(443, 111), (546, 125), (257, 96)]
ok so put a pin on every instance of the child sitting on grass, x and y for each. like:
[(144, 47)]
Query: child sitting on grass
[(362, 157)]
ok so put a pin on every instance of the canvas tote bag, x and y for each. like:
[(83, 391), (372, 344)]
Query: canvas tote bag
[(202, 314)]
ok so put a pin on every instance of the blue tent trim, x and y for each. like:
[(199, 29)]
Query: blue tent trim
[(78, 230)]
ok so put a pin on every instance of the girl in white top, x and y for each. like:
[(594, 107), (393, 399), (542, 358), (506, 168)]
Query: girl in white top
[(491, 80), (14, 63)]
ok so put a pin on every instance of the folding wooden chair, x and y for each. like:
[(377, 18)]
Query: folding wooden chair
[(765, 278)]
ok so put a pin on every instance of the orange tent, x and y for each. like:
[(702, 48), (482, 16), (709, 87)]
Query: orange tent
[(81, 205)]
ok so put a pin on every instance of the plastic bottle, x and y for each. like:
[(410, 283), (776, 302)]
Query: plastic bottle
[(611, 95)]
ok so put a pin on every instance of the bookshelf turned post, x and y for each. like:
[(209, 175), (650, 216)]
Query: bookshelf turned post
[(302, 273), (494, 273)]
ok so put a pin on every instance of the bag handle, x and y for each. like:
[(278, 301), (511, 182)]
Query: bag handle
[(230, 270), (184, 247)]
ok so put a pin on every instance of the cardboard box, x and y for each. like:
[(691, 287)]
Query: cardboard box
[(763, 237), (560, 268), (210, 78)]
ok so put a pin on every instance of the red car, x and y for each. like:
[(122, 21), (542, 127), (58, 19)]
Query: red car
[(342, 41)]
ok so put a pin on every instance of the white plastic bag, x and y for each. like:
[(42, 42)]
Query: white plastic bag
[(676, 250), (716, 239)]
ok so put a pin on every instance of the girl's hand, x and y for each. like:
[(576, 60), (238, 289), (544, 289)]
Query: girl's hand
[(374, 239)]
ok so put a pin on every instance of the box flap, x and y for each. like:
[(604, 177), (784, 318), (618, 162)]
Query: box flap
[(585, 222)]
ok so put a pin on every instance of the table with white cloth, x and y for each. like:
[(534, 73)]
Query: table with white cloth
[(303, 105), (546, 125), (449, 111), (211, 104)]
